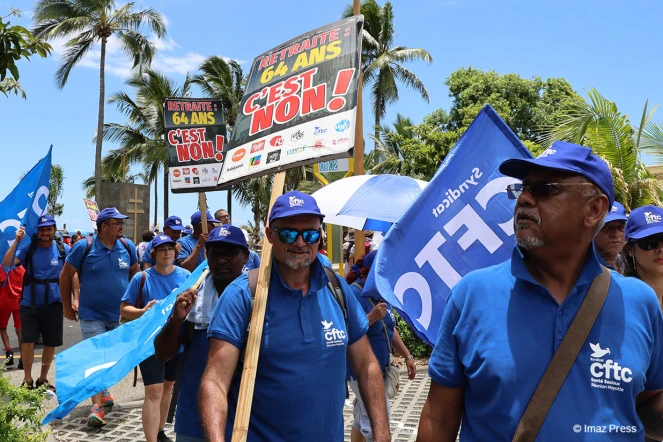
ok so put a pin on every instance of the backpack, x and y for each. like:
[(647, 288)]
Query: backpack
[(29, 278), (88, 246)]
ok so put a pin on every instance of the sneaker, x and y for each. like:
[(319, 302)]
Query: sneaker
[(47, 385), (20, 364), (96, 417), (28, 385), (10, 358), (161, 437), (107, 400)]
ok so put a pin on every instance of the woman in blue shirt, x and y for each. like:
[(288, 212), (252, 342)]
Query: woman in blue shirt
[(382, 326), (154, 284)]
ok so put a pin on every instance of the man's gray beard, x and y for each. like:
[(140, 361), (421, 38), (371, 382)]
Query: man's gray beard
[(296, 264), (529, 242)]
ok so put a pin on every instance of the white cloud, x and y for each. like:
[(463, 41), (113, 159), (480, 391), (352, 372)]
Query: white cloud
[(178, 64), (164, 45)]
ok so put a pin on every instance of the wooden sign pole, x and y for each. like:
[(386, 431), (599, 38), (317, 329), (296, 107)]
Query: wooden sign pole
[(202, 203), (245, 399), (359, 142)]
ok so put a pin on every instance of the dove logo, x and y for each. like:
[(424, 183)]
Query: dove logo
[(607, 374), (598, 351), (333, 336), (614, 209), (651, 218), (547, 152)]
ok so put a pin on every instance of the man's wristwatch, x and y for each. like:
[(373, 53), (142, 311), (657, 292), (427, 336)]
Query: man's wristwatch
[(408, 357)]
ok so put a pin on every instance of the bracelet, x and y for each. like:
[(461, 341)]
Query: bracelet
[(408, 357)]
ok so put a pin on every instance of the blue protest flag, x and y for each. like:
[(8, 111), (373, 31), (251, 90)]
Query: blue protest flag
[(95, 364), (460, 222), (25, 204)]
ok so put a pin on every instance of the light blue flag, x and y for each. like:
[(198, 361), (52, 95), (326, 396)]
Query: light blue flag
[(25, 204), (95, 364), (461, 221)]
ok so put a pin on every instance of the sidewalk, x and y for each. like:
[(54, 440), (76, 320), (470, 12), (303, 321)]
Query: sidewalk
[(124, 422)]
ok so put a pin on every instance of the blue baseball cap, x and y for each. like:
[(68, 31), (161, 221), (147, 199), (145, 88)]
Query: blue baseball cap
[(174, 222), (46, 220), (644, 221), (565, 157), (292, 204), (187, 231), (110, 213), (617, 213), (160, 240), (368, 259), (196, 218), (227, 234)]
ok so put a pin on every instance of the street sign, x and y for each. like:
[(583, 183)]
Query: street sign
[(340, 165)]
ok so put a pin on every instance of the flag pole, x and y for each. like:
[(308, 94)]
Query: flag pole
[(202, 203), (359, 141), (245, 399)]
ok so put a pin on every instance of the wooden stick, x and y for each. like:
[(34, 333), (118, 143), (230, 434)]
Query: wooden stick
[(244, 402), (359, 141), (202, 203), (197, 284)]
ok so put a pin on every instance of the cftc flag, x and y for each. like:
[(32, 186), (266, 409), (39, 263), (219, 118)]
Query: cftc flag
[(95, 364), (460, 222), (25, 204)]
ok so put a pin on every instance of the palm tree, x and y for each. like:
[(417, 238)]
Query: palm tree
[(222, 80), (255, 193), (597, 123), (388, 155), (87, 22), (113, 170), (142, 136), (381, 62)]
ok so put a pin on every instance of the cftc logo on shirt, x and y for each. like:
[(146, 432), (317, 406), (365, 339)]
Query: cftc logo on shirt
[(54, 261), (333, 336), (123, 264), (607, 374)]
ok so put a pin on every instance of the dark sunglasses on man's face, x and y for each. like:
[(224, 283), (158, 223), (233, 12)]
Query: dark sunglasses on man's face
[(289, 236), (227, 254), (649, 242), (538, 190)]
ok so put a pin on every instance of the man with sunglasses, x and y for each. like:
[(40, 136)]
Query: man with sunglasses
[(105, 269), (300, 382), (503, 324), (609, 242), (227, 253)]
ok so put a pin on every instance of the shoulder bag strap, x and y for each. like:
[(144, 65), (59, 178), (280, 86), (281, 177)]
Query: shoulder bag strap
[(563, 360), (139, 299)]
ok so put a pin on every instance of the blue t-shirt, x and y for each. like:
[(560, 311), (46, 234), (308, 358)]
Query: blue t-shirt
[(188, 243), (45, 264), (156, 287), (187, 419), (375, 331), (302, 356), (500, 330), (104, 279), (253, 262)]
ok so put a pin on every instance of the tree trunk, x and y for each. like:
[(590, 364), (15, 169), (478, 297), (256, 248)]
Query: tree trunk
[(100, 121), (378, 98), (229, 202), (256, 223), (165, 191), (155, 183)]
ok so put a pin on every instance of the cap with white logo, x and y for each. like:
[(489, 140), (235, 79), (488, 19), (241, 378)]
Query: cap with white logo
[(617, 213), (174, 222), (644, 221), (294, 203), (227, 234), (46, 220)]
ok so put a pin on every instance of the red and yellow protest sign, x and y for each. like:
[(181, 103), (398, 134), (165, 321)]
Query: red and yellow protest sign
[(299, 104)]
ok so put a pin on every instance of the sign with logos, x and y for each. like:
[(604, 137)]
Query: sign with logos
[(299, 104), (340, 165), (92, 211), (195, 132)]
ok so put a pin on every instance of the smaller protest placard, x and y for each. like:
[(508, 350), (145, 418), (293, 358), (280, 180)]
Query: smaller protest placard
[(195, 132), (92, 211)]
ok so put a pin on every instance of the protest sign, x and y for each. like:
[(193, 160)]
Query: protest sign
[(25, 204), (92, 211), (195, 132), (299, 104), (462, 221)]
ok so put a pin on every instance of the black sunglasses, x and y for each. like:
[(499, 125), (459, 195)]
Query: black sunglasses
[(228, 254), (538, 190), (649, 242), (289, 236)]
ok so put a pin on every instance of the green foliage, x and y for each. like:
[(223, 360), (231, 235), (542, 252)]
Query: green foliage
[(55, 191), (21, 412), (16, 42), (9, 85), (416, 346)]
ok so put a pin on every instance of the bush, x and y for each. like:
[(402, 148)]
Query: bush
[(417, 347), (21, 412)]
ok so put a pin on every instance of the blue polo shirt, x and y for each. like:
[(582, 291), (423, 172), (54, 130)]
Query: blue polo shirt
[(105, 277), (188, 243), (324, 260), (45, 264), (156, 287), (500, 330), (375, 331), (187, 419), (253, 262), (302, 360)]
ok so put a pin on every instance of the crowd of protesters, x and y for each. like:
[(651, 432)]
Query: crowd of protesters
[(577, 251)]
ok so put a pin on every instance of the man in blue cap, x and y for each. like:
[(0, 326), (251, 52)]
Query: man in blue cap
[(305, 344), (503, 324), (105, 264), (227, 253), (41, 304), (609, 242), (193, 246), (172, 227)]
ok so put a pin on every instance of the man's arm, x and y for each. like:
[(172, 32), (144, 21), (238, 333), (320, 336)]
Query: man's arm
[(66, 275), (402, 350), (76, 290), (213, 394), (190, 261), (168, 341), (440, 418), (371, 386), (649, 405), (7, 259)]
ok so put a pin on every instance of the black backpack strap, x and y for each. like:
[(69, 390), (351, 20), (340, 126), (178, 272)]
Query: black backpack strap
[(337, 291), (62, 253), (88, 246), (190, 329), (127, 247)]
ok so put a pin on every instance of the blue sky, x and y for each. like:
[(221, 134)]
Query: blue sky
[(609, 45)]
